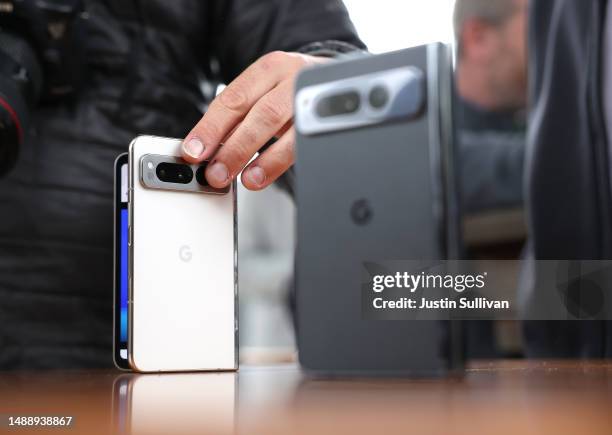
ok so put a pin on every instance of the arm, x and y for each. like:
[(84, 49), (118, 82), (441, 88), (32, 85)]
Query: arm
[(248, 29)]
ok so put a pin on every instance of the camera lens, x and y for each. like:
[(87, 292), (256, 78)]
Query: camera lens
[(200, 175), (174, 173), (20, 88), (339, 104), (379, 97)]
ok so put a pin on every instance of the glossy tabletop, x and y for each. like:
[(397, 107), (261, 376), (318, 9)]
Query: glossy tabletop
[(513, 397)]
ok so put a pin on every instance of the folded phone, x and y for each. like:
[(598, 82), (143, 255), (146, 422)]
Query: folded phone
[(373, 182), (182, 263)]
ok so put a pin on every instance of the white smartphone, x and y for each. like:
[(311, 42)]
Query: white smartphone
[(182, 263)]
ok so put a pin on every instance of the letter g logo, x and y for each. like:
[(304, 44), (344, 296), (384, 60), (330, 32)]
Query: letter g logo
[(185, 253), (361, 212)]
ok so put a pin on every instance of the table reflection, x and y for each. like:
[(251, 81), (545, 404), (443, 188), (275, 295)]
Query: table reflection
[(174, 403), (502, 396)]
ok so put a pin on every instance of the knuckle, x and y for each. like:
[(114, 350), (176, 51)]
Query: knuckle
[(248, 136), (234, 98), (300, 59), (272, 59), (272, 113), (209, 131)]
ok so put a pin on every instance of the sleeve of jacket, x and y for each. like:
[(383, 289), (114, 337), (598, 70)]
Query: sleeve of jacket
[(244, 30)]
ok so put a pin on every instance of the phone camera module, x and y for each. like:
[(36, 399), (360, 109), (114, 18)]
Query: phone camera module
[(338, 104), (378, 97), (174, 173)]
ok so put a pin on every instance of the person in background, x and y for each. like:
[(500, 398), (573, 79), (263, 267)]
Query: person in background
[(491, 88), (143, 65), (491, 91)]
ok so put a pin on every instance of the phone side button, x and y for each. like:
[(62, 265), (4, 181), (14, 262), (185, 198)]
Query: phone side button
[(129, 235)]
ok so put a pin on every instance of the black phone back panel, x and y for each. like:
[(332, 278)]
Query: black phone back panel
[(371, 194)]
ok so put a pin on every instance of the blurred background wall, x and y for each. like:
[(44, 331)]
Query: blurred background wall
[(386, 25)]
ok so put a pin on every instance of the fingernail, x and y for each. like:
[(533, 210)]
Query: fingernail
[(194, 147), (217, 173), (256, 175)]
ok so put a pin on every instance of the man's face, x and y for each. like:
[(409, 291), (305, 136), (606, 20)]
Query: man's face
[(509, 58), (496, 52)]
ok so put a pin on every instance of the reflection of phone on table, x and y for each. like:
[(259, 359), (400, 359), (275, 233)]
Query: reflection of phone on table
[(175, 403), (120, 403), (182, 263), (120, 327)]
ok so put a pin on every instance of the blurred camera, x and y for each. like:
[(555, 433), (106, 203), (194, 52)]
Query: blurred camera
[(378, 97), (174, 173), (20, 86), (339, 104), (373, 98), (39, 61)]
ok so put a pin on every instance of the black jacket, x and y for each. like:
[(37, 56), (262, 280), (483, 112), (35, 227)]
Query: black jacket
[(143, 61), (568, 186)]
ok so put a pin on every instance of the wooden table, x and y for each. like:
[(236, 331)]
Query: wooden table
[(504, 397)]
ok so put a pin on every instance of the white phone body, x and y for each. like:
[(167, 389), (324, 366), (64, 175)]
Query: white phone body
[(182, 273)]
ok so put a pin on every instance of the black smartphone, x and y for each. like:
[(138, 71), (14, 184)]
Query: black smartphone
[(374, 182), (120, 308)]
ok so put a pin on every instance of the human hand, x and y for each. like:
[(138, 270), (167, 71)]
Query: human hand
[(252, 109)]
